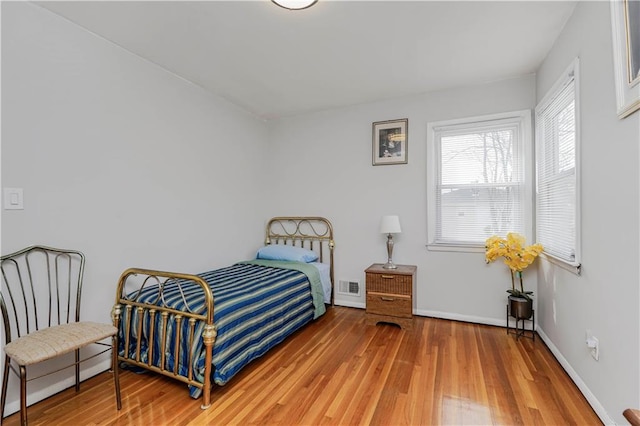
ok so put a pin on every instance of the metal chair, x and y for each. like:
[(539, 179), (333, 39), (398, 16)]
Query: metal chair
[(40, 301)]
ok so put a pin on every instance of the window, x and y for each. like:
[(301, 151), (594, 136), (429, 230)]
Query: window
[(479, 183), (557, 183)]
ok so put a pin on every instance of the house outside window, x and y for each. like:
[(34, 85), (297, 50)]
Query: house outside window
[(479, 180)]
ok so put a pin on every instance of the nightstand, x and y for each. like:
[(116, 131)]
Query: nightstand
[(390, 294)]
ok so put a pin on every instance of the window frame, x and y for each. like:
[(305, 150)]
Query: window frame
[(571, 73), (524, 120)]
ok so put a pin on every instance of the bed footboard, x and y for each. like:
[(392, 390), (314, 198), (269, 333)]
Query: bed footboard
[(131, 313)]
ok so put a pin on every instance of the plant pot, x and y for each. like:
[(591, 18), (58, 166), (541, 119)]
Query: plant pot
[(520, 307)]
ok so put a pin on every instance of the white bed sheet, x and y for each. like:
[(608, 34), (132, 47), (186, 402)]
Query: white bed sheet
[(325, 278)]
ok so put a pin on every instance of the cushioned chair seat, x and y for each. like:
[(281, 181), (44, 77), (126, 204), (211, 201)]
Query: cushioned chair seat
[(57, 340)]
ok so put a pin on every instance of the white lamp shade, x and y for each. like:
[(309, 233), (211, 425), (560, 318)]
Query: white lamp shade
[(390, 225)]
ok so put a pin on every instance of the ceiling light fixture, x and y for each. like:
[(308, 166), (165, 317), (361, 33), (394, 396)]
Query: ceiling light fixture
[(295, 4)]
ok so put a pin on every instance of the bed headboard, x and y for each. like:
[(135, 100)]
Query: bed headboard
[(313, 233)]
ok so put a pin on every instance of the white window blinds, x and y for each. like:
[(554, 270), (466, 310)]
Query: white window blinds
[(557, 183), (479, 187)]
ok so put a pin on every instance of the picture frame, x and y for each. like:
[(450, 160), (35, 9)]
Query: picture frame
[(625, 24), (390, 142)]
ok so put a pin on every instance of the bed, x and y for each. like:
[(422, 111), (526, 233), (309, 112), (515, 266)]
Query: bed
[(204, 328)]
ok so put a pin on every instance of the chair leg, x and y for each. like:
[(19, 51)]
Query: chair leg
[(116, 372), (77, 370), (5, 382), (23, 395)]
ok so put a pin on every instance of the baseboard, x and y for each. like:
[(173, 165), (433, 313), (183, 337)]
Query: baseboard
[(436, 314), (582, 386), (463, 318), (44, 393), (359, 305)]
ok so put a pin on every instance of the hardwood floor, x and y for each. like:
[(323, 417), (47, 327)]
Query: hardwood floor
[(340, 371)]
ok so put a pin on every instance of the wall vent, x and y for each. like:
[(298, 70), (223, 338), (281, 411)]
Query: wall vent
[(349, 287)]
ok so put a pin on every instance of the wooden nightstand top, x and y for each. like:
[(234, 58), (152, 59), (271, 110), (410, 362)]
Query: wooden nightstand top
[(377, 268)]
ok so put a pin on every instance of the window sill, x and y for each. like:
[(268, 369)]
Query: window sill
[(466, 248), (571, 267)]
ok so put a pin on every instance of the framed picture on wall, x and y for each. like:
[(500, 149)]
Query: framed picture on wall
[(390, 141), (625, 24)]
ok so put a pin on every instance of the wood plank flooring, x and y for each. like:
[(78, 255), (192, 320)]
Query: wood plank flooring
[(340, 371)]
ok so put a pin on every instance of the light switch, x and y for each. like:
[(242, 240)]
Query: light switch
[(13, 199)]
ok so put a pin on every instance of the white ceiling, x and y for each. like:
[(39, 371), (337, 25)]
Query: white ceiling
[(274, 62)]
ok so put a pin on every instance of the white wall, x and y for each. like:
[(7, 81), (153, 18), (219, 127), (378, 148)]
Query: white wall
[(120, 159), (354, 195), (605, 297)]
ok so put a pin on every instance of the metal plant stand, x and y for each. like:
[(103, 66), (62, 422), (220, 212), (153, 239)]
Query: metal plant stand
[(519, 328)]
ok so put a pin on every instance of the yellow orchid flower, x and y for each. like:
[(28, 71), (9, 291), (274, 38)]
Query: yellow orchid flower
[(516, 256)]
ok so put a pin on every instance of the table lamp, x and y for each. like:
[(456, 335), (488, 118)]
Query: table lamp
[(390, 225)]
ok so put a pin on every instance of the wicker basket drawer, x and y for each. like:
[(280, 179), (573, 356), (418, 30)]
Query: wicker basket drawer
[(388, 283), (389, 304)]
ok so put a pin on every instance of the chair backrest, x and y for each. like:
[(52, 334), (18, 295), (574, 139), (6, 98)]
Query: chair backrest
[(41, 287)]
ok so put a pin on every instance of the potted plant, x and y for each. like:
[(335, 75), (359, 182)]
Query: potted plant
[(517, 257)]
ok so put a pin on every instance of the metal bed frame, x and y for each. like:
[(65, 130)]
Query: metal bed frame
[(313, 233)]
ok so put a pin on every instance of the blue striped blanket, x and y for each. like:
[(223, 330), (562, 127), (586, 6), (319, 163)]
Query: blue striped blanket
[(257, 304)]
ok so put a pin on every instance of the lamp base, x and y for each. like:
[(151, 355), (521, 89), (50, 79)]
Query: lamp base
[(389, 264)]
